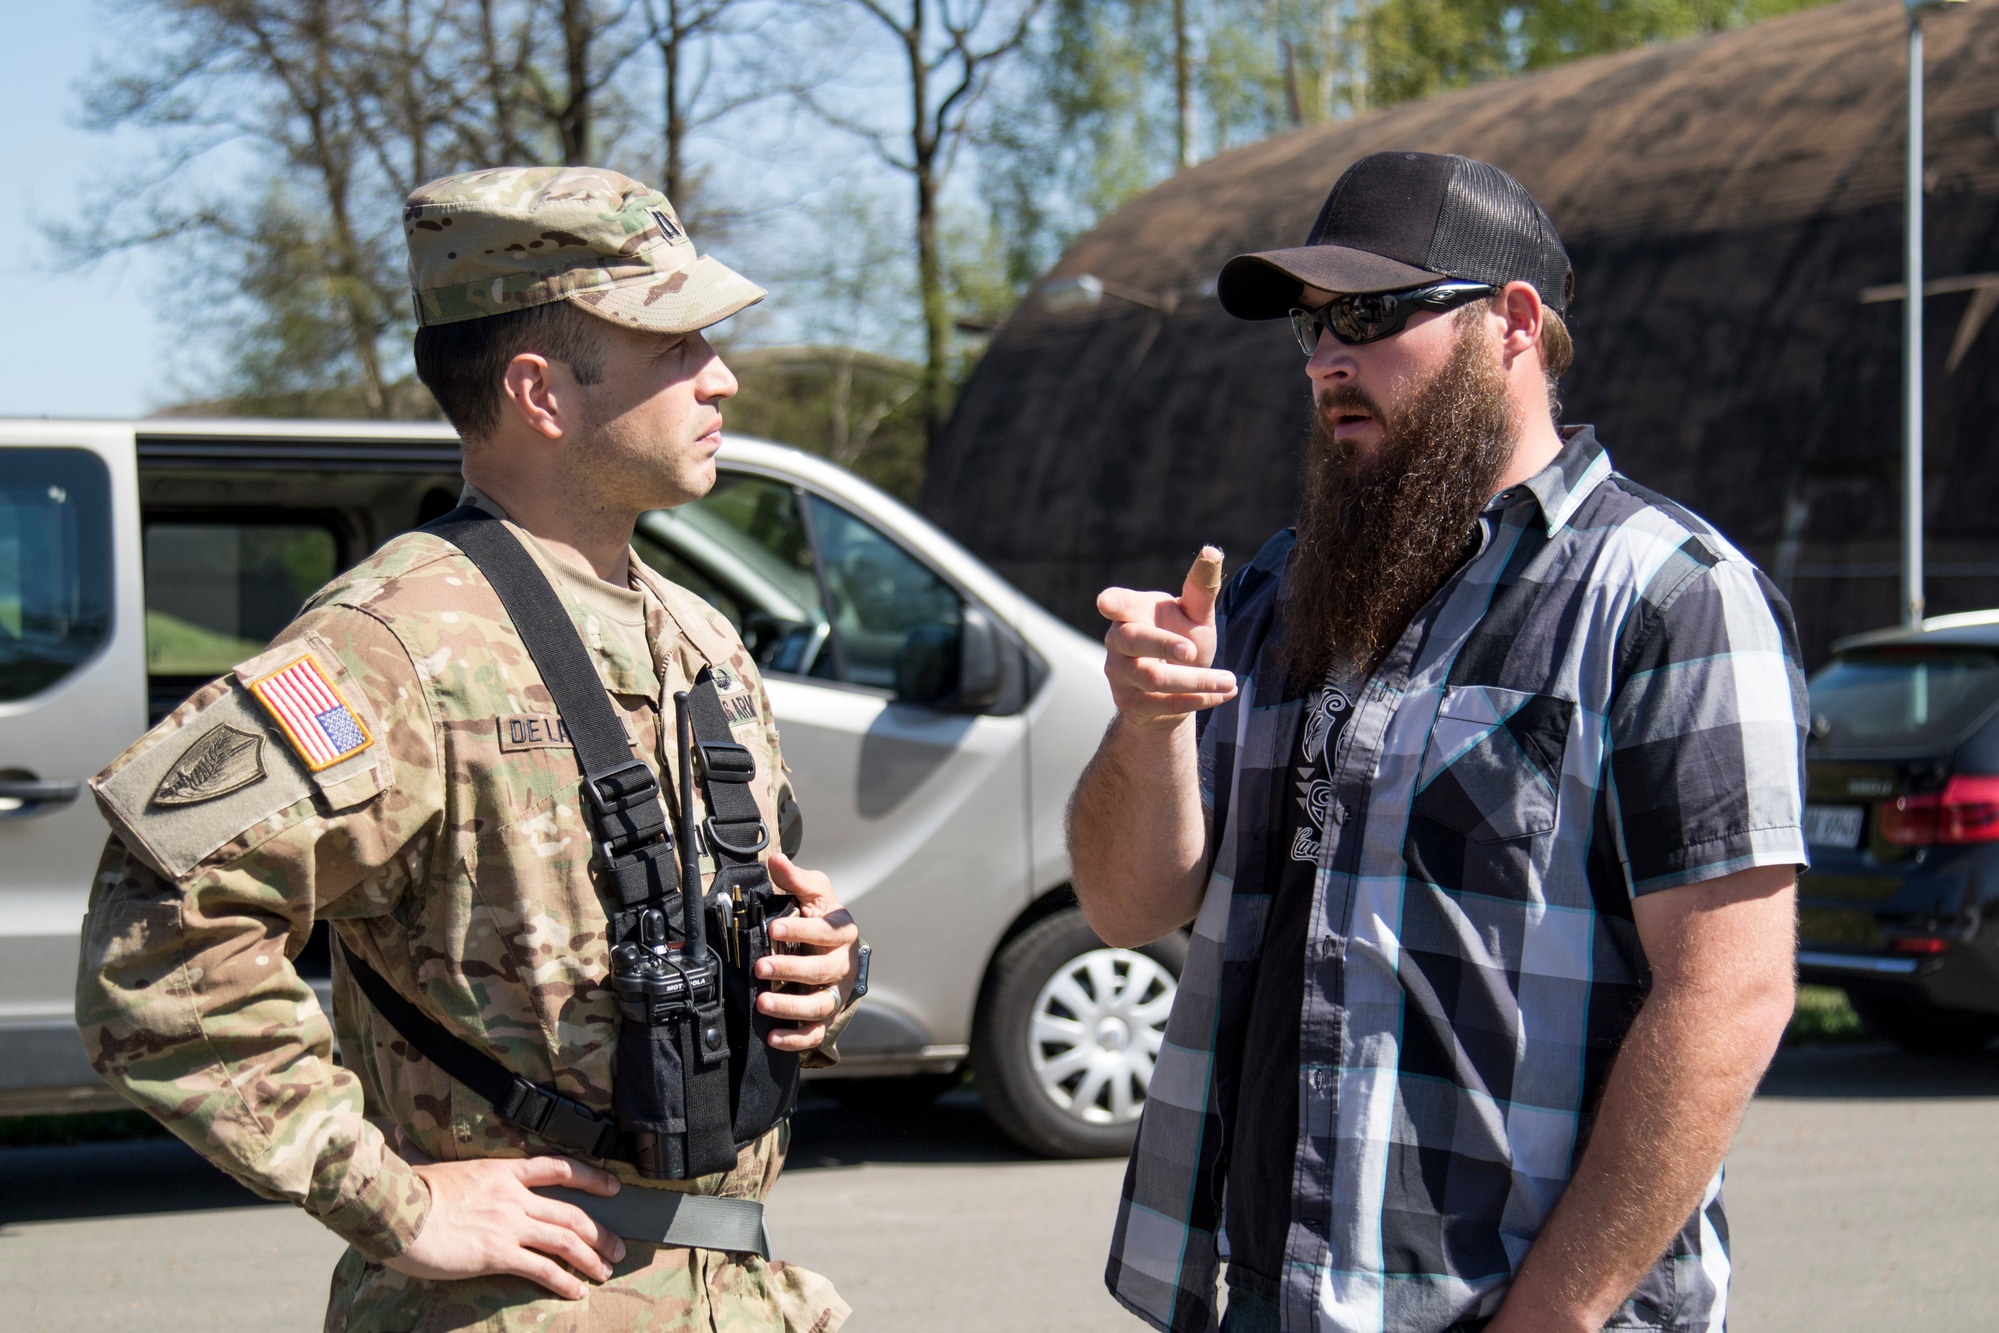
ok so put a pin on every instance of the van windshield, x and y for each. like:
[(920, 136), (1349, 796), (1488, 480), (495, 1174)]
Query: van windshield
[(1903, 698)]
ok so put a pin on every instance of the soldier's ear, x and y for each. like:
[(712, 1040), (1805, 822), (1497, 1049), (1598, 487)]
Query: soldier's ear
[(535, 393)]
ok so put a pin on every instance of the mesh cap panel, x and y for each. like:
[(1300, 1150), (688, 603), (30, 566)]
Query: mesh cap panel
[(1491, 230)]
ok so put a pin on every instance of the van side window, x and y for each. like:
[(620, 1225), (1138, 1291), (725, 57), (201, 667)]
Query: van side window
[(744, 548), (749, 548), (218, 591), (55, 566), (884, 600)]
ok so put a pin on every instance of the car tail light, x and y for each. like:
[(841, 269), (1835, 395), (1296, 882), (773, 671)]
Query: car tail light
[(1919, 944), (1966, 810)]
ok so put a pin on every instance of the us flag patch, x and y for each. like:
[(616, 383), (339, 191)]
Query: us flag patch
[(317, 721)]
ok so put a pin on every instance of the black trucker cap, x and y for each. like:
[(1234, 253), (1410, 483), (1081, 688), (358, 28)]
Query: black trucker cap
[(1402, 219)]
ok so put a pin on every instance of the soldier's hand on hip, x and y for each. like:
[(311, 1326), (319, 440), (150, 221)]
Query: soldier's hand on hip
[(1162, 647), (485, 1219), (823, 964)]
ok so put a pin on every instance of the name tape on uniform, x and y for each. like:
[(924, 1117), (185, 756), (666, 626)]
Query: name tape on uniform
[(314, 716), (532, 731), (734, 692)]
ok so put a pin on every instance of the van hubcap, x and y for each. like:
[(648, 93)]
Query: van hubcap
[(1096, 1031)]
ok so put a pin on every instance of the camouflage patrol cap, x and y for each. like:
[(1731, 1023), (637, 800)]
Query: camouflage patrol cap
[(508, 238)]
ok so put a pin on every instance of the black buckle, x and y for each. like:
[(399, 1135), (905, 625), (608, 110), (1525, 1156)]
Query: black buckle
[(618, 800), (726, 761), (722, 844), (631, 869), (561, 1120)]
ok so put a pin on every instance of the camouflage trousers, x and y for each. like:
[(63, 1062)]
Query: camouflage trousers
[(656, 1289)]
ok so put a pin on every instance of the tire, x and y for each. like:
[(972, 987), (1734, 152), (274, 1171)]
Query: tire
[(909, 1093), (1925, 1030), (1072, 1083)]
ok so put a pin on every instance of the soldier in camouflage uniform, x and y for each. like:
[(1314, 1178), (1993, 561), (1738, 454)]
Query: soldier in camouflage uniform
[(425, 801)]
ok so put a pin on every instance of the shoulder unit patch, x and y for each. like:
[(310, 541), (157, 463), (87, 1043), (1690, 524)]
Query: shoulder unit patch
[(224, 760), (314, 716)]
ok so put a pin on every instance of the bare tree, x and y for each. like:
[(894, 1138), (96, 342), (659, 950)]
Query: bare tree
[(281, 74), (947, 52), (1183, 88), (351, 104), (676, 27)]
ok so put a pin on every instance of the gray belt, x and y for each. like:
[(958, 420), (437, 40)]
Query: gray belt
[(667, 1217)]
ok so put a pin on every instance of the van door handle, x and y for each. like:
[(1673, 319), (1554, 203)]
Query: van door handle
[(22, 797)]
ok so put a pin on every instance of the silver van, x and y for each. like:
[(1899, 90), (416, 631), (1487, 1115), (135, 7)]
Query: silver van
[(935, 720)]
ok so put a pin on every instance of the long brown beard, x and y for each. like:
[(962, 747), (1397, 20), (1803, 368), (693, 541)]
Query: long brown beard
[(1379, 534)]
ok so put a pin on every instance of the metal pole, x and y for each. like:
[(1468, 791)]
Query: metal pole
[(1912, 346)]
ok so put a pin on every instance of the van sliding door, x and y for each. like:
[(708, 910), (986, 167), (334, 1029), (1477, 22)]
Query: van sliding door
[(72, 696)]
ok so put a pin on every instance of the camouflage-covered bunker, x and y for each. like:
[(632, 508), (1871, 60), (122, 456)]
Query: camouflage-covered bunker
[(1725, 201)]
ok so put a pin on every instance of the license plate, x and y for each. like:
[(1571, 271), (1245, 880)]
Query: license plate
[(1834, 825)]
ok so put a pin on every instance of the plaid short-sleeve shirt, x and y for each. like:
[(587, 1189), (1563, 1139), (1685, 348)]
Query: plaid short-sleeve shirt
[(1606, 700)]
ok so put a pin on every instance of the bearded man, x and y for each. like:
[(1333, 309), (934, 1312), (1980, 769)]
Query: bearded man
[(1482, 790)]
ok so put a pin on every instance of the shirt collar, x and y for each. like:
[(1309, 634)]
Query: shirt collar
[(1562, 486), (612, 620)]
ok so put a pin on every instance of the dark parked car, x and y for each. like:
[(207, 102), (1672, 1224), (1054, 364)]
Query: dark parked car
[(1901, 906)]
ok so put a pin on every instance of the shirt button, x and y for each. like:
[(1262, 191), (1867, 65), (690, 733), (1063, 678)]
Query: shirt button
[(1339, 812)]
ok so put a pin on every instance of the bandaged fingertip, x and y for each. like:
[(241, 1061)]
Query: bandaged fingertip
[(1207, 570)]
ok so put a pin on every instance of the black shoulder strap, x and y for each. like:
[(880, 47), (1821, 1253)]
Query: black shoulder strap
[(735, 828), (561, 1120), (622, 793)]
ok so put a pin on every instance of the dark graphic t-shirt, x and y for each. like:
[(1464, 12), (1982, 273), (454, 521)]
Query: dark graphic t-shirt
[(1264, 1145)]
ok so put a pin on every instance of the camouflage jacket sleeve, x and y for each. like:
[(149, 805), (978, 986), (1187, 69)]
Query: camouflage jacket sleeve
[(235, 825)]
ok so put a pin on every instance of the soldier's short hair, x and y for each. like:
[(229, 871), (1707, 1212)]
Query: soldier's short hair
[(463, 363)]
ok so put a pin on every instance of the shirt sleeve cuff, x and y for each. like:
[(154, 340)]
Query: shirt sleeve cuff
[(1694, 863), (380, 1213)]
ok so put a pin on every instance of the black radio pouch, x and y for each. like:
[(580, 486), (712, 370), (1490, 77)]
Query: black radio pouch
[(693, 1080)]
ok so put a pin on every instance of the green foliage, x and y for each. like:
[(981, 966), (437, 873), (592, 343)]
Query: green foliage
[(1093, 118), (853, 408), (1824, 1014), (1099, 62), (1416, 48)]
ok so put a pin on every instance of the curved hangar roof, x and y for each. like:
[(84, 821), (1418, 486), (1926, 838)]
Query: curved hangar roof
[(1725, 201)]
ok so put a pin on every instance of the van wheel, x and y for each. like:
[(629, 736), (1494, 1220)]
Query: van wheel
[(1926, 1030), (1067, 1033)]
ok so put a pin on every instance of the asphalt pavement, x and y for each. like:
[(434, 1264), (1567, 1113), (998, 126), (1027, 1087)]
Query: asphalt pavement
[(1863, 1192)]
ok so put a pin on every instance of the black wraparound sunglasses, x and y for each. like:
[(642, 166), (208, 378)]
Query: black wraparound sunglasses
[(1371, 316)]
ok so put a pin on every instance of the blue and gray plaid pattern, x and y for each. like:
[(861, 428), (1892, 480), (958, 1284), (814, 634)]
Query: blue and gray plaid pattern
[(1605, 701)]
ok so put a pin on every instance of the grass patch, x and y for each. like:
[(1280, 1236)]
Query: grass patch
[(41, 1131), (1824, 1014)]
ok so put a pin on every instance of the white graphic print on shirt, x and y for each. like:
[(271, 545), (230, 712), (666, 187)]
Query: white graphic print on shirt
[(1324, 713)]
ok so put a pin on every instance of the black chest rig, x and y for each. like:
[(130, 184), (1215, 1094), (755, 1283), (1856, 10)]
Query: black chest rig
[(693, 1079)]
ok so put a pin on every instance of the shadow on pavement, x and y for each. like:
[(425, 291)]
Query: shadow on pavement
[(159, 1175), (112, 1180), (1876, 1070), (954, 1128)]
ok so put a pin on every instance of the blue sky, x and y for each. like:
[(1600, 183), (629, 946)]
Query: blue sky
[(75, 341)]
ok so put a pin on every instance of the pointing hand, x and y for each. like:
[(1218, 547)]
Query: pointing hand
[(1161, 648)]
